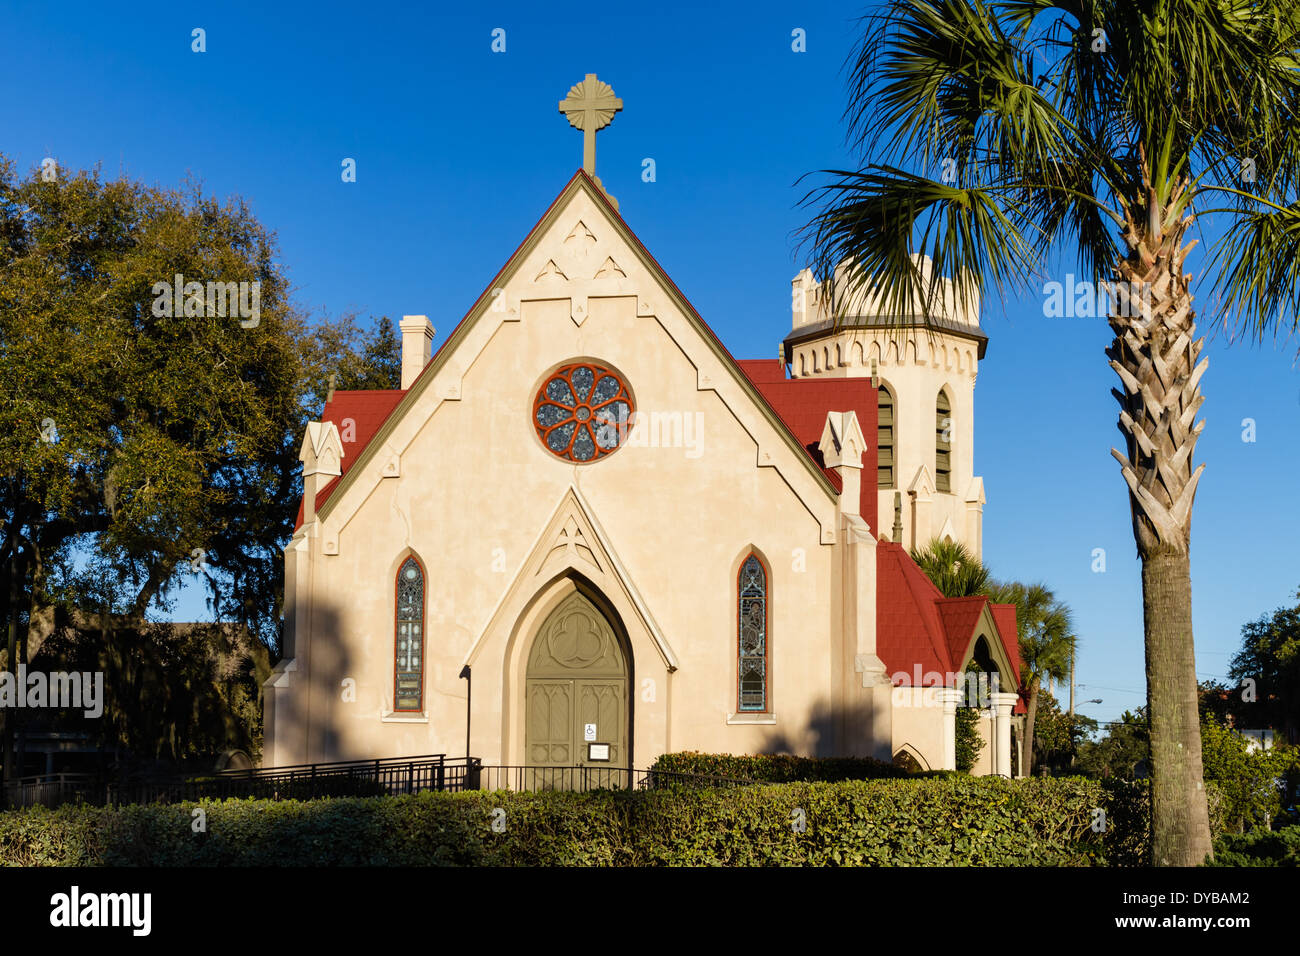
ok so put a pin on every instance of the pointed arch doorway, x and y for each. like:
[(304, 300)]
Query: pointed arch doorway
[(576, 703)]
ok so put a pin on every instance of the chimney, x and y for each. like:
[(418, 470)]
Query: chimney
[(417, 347)]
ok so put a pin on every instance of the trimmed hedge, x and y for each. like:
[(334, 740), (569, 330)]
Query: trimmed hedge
[(779, 768), (952, 821)]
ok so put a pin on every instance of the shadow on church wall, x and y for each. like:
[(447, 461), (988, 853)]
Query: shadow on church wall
[(314, 729), (821, 735)]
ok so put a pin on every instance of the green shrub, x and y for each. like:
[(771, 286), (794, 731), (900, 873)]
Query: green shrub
[(968, 741), (1253, 781), (941, 821), (778, 768), (1259, 848)]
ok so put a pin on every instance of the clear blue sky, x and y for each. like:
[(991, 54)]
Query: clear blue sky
[(459, 150)]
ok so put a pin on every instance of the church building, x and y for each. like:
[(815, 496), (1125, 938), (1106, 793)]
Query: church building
[(581, 533)]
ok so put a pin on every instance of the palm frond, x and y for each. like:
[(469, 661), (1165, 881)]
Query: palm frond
[(1046, 629), (877, 218), (1258, 265), (952, 567)]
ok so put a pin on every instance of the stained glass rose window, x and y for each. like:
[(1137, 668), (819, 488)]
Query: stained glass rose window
[(582, 411)]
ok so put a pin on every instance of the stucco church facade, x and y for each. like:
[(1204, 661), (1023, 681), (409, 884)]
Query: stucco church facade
[(632, 543)]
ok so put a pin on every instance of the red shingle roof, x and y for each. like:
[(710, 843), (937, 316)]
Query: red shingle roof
[(922, 636), (358, 416), (802, 404), (960, 615), (763, 370), (910, 637), (1005, 616)]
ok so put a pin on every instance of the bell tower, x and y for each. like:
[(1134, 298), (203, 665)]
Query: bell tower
[(925, 381)]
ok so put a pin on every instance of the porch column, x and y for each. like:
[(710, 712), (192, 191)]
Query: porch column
[(1002, 706), (949, 698)]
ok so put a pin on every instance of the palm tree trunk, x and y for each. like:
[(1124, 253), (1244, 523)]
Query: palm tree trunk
[(1155, 355), (1027, 745), (1180, 826)]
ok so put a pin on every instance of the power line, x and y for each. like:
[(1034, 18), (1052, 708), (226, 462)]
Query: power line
[(1120, 690)]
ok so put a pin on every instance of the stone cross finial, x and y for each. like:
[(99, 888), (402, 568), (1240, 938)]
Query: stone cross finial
[(590, 106)]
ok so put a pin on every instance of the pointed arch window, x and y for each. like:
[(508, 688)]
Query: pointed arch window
[(752, 637), (884, 438), (942, 443), (408, 687)]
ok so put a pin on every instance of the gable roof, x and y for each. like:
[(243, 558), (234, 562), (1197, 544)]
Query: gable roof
[(918, 629), (960, 616), (579, 180)]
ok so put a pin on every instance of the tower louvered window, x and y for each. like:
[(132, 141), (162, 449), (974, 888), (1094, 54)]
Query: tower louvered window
[(884, 438), (943, 443), (752, 615)]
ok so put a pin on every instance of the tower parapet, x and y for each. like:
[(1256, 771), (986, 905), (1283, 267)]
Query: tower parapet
[(925, 377)]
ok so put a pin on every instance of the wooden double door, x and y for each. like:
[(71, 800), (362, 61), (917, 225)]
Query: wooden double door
[(576, 694)]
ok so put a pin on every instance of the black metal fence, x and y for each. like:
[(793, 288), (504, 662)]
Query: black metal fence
[(50, 790), (348, 778)]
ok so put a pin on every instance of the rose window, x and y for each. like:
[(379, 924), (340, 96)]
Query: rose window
[(582, 411)]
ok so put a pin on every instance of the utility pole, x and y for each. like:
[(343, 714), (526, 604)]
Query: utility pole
[(1071, 686), (1071, 725)]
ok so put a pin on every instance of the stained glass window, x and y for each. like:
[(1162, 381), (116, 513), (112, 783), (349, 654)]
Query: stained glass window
[(582, 412), (753, 635), (409, 687)]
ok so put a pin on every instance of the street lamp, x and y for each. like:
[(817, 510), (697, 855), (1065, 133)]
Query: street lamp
[(469, 686)]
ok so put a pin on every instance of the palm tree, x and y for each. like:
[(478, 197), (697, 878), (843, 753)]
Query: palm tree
[(953, 568), (991, 130), (1046, 640)]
